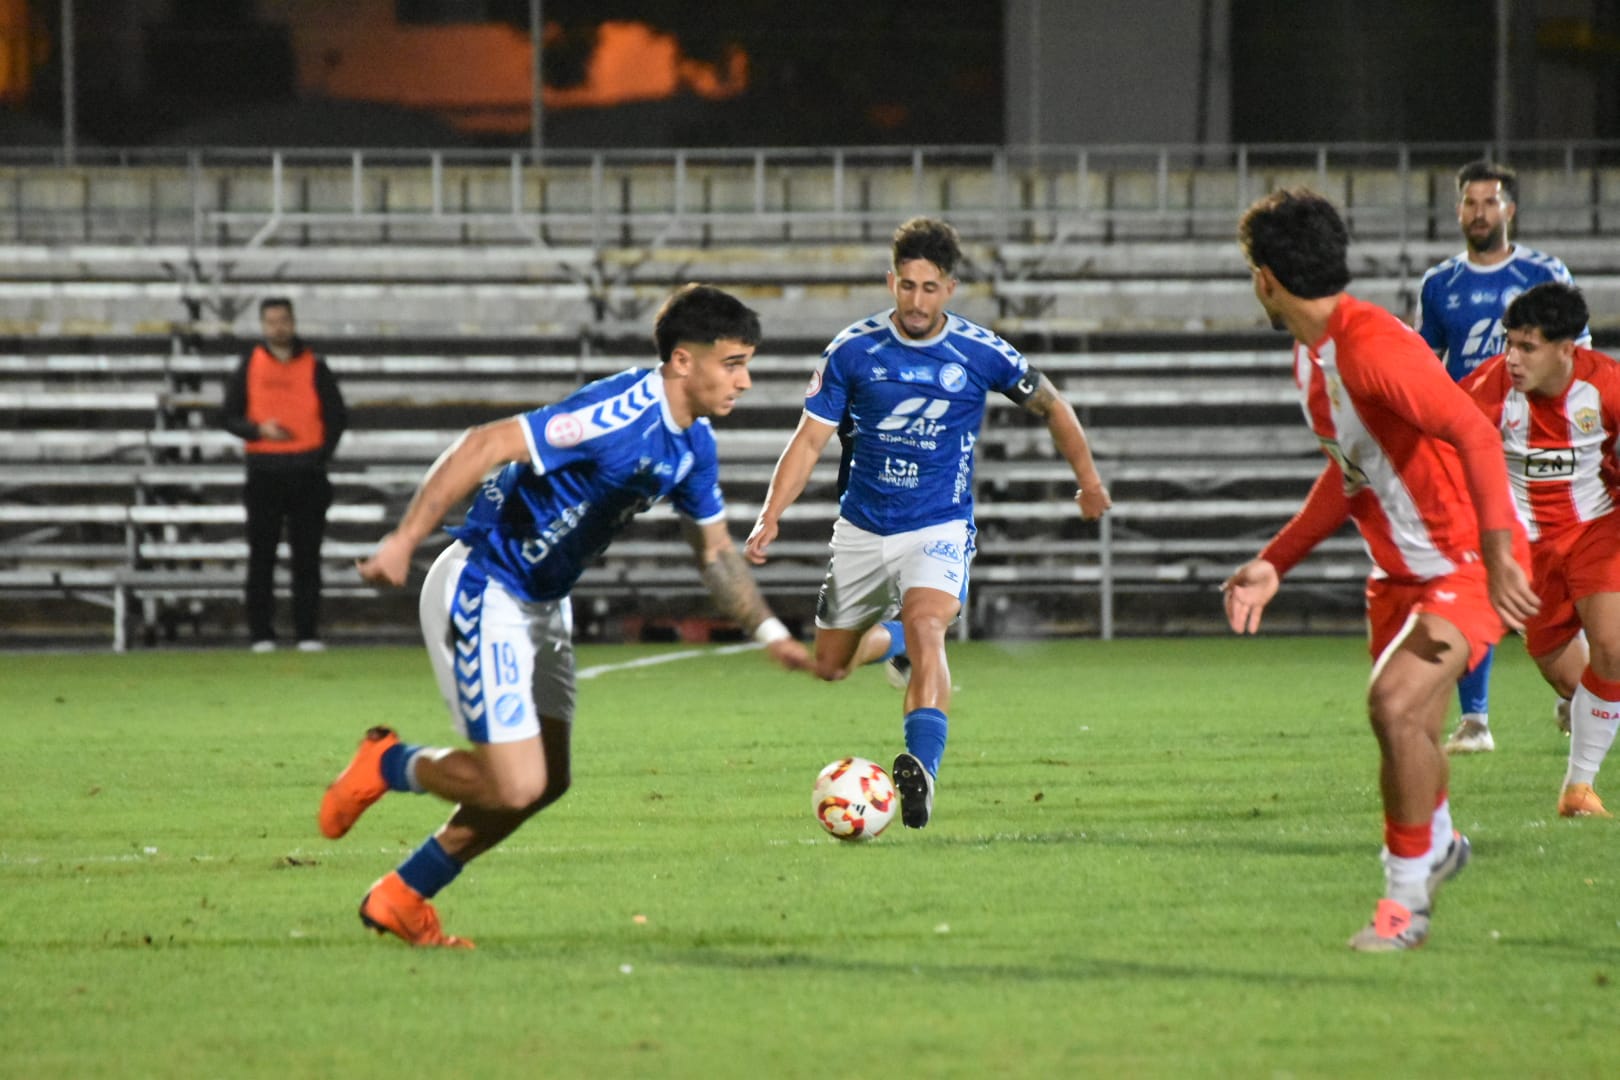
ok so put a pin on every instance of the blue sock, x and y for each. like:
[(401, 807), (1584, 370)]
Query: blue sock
[(429, 869), (897, 640), (396, 767), (925, 737), (1474, 688)]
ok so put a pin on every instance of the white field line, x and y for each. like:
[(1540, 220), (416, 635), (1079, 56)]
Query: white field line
[(664, 658)]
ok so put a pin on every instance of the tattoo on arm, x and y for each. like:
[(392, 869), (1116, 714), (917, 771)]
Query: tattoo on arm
[(1043, 399), (733, 589)]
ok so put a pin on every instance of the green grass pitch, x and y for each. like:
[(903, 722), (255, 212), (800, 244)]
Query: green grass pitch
[(1146, 858)]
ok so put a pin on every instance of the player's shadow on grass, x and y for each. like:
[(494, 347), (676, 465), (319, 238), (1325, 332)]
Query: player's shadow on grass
[(1073, 970), (1324, 847)]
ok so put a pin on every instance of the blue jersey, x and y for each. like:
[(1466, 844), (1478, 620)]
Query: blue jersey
[(913, 410), (1460, 304), (597, 458)]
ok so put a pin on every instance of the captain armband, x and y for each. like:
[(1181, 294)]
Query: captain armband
[(771, 631), (1025, 388)]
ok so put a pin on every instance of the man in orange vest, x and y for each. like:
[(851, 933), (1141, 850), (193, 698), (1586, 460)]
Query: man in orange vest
[(284, 403)]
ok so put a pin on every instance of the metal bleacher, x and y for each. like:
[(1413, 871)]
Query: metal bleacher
[(449, 290)]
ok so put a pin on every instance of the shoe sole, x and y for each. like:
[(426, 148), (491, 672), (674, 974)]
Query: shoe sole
[(911, 781)]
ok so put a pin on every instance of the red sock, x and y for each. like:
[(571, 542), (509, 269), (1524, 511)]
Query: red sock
[(1407, 841), (1602, 689)]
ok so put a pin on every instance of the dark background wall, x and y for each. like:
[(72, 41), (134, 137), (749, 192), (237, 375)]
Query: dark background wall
[(842, 72)]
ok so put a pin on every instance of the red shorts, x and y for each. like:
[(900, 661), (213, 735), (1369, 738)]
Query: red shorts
[(1575, 564), (1461, 598)]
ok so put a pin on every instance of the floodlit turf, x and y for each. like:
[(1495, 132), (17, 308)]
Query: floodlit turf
[(1145, 861)]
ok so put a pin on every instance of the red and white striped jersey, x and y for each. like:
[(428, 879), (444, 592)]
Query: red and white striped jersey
[(1559, 450), (1409, 459)]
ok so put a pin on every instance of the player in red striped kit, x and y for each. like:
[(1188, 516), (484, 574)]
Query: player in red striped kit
[(1557, 406), (1420, 473)]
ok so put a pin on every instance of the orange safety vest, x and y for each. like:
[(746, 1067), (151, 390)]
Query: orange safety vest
[(284, 391)]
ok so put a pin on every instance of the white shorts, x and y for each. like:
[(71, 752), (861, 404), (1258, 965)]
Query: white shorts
[(502, 663), (870, 574)]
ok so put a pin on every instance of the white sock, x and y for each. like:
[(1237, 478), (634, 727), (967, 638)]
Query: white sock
[(432, 753), (1482, 719), (1592, 726), (1440, 829), (1406, 880)]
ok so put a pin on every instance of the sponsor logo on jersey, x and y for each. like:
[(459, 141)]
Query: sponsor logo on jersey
[(952, 377), (509, 710), (1482, 337), (943, 550), (564, 430), (916, 416), (1549, 464), (898, 472), (1354, 478), (1587, 420)]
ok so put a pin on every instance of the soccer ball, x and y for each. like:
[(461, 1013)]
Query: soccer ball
[(854, 799)]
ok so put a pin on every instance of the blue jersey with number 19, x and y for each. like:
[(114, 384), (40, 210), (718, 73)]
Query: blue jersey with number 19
[(1460, 304), (913, 409), (602, 455)]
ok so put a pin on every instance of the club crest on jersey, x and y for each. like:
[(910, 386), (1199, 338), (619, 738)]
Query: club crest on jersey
[(813, 387), (509, 710), (684, 467), (952, 377), (564, 430), (1587, 420)]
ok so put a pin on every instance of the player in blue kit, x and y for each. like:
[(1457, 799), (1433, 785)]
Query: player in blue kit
[(1460, 306), (910, 385), (495, 610)]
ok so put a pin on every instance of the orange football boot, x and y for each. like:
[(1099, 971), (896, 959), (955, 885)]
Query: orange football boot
[(393, 907), (357, 786), (1579, 800)]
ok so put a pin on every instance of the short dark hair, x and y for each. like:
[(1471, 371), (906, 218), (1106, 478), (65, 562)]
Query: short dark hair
[(928, 238), (1557, 310), (1301, 239), (1475, 171), (702, 315), (274, 301)]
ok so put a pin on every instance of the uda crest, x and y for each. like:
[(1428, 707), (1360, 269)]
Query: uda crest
[(952, 377), (1587, 420)]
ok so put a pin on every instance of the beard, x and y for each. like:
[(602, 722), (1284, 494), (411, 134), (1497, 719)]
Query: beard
[(1490, 241)]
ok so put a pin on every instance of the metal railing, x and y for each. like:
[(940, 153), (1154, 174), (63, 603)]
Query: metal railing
[(634, 197)]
